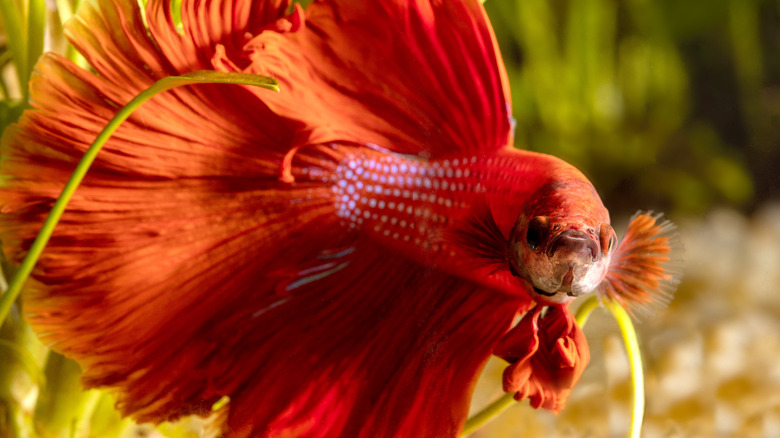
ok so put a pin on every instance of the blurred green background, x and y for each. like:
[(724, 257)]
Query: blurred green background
[(664, 104)]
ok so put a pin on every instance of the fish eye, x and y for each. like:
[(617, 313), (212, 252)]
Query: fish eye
[(537, 232), (607, 239)]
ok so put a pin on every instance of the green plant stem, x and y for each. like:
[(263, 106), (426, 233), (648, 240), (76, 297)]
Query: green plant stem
[(36, 28), (583, 313), (488, 413), (5, 58), (17, 41), (202, 77), (635, 363)]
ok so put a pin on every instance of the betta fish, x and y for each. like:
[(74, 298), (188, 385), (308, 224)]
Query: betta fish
[(336, 259)]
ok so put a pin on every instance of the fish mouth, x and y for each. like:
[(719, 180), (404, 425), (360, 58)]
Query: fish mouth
[(545, 293), (555, 298), (574, 243), (552, 294), (563, 286)]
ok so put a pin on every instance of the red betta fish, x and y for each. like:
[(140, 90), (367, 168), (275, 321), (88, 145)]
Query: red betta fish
[(340, 258)]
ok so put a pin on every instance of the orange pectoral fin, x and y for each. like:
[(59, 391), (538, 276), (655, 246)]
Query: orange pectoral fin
[(645, 267)]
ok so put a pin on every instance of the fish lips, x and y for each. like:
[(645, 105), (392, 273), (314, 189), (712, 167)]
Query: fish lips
[(575, 267)]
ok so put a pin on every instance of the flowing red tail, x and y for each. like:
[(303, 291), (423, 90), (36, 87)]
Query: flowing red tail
[(188, 290), (190, 265)]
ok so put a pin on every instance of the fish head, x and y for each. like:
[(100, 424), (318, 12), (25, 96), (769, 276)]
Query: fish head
[(562, 258)]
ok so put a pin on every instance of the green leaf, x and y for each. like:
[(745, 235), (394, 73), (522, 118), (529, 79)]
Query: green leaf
[(25, 358), (17, 42), (36, 29), (62, 402), (21, 375), (10, 111), (176, 15)]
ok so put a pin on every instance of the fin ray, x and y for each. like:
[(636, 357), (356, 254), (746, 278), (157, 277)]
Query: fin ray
[(645, 268)]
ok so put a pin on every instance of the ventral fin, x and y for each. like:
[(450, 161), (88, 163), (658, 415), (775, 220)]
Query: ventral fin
[(645, 268)]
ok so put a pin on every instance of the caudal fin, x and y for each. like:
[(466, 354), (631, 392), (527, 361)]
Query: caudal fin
[(140, 270)]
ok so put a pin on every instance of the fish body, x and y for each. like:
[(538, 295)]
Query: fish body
[(434, 210), (340, 258)]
